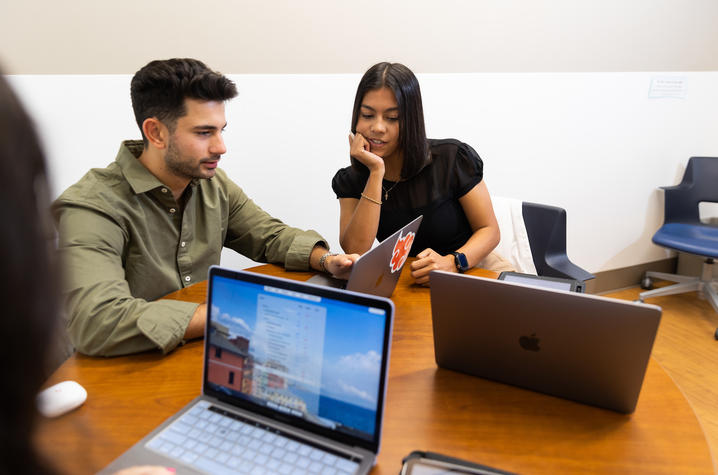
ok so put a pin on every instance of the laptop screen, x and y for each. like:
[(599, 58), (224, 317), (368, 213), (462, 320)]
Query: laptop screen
[(295, 351)]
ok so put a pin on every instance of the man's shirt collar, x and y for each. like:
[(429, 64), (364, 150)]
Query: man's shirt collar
[(140, 178)]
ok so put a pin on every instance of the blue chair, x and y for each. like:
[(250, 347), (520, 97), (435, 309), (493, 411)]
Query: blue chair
[(546, 229), (683, 231)]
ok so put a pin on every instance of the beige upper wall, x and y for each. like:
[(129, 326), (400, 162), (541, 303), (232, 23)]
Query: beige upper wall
[(334, 36)]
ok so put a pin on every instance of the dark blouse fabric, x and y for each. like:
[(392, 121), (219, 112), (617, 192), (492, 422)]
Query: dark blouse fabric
[(454, 169)]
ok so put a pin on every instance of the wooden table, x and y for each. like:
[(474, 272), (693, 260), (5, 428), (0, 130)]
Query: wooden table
[(427, 408)]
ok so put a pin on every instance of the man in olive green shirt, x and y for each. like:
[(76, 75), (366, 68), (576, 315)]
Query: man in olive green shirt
[(154, 220)]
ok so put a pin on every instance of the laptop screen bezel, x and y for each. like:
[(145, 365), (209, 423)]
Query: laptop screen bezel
[(323, 292)]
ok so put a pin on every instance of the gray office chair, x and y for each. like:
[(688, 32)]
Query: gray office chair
[(546, 229)]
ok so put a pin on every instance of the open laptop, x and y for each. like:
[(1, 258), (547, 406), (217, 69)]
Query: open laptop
[(582, 347), (294, 380), (377, 271)]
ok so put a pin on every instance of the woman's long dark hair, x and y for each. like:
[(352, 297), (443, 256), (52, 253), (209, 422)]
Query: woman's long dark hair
[(28, 292), (412, 134)]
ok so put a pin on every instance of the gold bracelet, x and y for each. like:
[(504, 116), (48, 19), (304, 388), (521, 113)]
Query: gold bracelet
[(371, 199)]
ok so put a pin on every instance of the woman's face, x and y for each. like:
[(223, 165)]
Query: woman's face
[(379, 122)]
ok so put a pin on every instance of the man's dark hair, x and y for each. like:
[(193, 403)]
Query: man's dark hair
[(160, 88), (412, 134), (29, 289)]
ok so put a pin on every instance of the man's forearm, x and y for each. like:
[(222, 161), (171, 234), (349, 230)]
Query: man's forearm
[(195, 329), (316, 256)]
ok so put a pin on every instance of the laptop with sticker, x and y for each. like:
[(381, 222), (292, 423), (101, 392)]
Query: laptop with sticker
[(294, 382), (377, 271)]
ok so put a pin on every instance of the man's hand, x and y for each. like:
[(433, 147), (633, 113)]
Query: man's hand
[(429, 260), (340, 266)]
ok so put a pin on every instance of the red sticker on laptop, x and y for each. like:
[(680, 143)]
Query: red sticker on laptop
[(401, 251)]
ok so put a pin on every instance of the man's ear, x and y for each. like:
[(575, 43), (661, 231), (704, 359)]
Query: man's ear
[(156, 132)]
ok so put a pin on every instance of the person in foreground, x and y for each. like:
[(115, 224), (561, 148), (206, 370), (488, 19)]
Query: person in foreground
[(156, 219), (30, 293), (397, 174)]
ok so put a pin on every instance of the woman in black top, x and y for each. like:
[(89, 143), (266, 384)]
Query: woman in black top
[(398, 174)]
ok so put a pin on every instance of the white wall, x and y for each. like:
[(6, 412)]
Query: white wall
[(593, 143), (331, 36)]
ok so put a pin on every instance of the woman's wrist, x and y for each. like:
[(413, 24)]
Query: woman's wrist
[(450, 263), (377, 169), (372, 189)]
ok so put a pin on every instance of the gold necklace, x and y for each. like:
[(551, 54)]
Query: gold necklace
[(386, 192)]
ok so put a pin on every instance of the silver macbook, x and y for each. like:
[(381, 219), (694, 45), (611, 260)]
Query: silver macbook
[(377, 271), (582, 347), (294, 382)]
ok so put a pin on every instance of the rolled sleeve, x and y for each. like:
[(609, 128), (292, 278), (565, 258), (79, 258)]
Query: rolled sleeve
[(104, 318), (300, 249), (164, 322)]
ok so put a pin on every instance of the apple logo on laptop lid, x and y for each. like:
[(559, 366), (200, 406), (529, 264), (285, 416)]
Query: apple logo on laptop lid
[(530, 343)]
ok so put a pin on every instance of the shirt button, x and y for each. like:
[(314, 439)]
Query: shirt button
[(187, 278), (164, 190), (172, 210), (182, 244)]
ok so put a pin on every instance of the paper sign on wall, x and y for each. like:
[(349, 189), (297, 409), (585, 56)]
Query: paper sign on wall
[(667, 87)]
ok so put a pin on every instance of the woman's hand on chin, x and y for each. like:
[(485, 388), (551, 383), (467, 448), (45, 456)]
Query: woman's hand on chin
[(360, 149)]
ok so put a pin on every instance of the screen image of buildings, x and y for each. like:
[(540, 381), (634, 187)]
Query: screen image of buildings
[(231, 366)]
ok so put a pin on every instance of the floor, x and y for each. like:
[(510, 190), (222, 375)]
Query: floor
[(686, 349)]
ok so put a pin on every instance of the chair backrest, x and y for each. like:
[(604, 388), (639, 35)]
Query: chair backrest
[(514, 245), (699, 183), (546, 229)]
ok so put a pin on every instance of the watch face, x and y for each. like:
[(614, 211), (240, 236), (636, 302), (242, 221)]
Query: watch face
[(462, 263)]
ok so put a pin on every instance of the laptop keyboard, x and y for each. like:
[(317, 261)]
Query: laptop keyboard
[(215, 441)]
